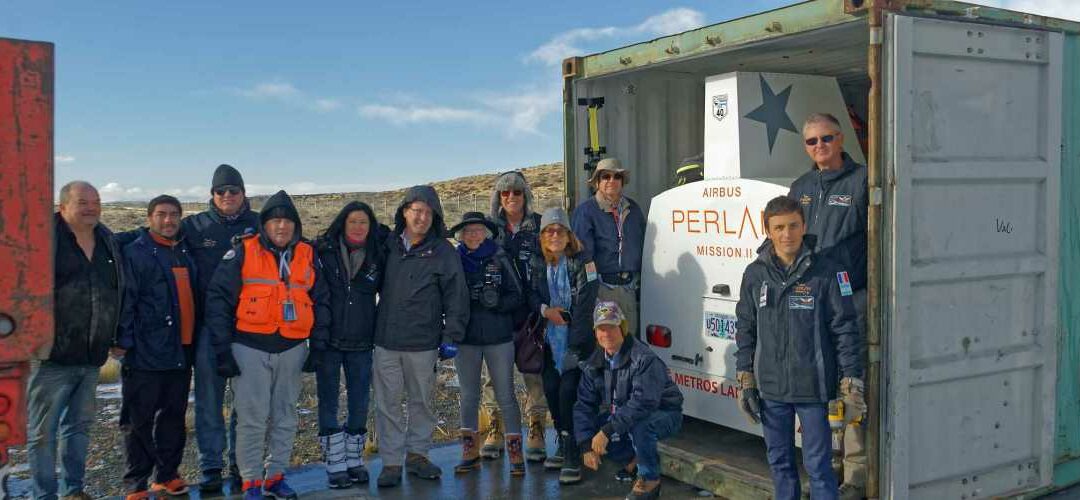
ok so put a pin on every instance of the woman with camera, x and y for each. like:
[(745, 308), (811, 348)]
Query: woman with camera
[(495, 293), (564, 287)]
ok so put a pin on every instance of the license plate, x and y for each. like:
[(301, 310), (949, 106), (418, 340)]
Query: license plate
[(719, 325)]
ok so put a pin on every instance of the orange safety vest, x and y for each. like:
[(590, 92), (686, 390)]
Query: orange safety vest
[(263, 295)]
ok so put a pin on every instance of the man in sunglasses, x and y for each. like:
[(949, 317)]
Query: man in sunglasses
[(834, 200), (209, 235), (612, 228)]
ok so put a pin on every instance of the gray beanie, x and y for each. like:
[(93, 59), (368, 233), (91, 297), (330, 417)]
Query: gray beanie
[(554, 215)]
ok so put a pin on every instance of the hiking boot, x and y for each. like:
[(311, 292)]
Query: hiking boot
[(555, 461), (173, 487), (849, 491), (389, 477), (354, 457), (253, 490), (276, 487), (514, 452), (571, 469), (493, 441), (421, 467), (644, 490), (333, 451), (535, 448), (470, 454), (211, 481)]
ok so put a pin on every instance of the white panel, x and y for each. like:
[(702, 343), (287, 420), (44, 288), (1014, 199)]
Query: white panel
[(972, 228)]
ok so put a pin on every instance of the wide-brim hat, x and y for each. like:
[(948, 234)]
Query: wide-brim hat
[(474, 218), (610, 165)]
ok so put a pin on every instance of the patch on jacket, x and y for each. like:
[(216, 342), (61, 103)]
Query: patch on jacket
[(590, 272), (801, 289), (804, 302), (840, 200), (845, 283), (209, 243), (763, 299), (230, 255), (806, 200)]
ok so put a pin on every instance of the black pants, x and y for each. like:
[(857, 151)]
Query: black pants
[(152, 419), (561, 393)]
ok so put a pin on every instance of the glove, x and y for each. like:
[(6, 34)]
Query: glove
[(226, 365), (447, 350), (749, 397), (852, 393), (313, 361)]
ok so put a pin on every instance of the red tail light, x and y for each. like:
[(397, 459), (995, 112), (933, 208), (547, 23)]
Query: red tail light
[(658, 335)]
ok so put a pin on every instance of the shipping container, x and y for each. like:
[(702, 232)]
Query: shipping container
[(973, 149)]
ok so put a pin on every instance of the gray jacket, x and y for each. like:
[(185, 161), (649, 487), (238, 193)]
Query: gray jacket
[(424, 299)]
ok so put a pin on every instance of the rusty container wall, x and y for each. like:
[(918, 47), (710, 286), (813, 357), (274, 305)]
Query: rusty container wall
[(26, 205)]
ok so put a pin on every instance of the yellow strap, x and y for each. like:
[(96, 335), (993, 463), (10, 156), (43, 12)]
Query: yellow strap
[(594, 131)]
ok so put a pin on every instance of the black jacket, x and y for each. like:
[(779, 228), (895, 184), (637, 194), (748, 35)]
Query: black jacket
[(224, 290), (75, 341), (583, 289), (424, 298), (352, 299), (521, 247), (150, 319), (796, 329), (209, 236), (638, 386), (489, 326), (835, 205)]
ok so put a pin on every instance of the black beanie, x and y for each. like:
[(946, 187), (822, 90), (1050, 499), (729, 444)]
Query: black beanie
[(226, 175)]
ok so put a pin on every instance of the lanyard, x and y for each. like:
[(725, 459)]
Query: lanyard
[(618, 231)]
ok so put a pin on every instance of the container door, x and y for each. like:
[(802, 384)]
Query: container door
[(971, 258)]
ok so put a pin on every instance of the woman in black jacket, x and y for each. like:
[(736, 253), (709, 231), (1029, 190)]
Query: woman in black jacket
[(495, 293), (564, 286), (352, 261)]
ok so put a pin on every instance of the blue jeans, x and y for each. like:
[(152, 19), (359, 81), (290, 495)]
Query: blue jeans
[(210, 432), (61, 401), (357, 365), (778, 421), (641, 442)]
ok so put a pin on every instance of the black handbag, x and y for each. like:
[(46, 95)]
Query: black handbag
[(529, 344)]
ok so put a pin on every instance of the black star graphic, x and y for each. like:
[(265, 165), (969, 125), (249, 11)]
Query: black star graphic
[(772, 111)]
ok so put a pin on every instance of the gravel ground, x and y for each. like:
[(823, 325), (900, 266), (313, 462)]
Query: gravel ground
[(105, 460)]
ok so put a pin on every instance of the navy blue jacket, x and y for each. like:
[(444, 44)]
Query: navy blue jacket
[(352, 299), (637, 386), (796, 329), (209, 236), (596, 229), (835, 205), (150, 318)]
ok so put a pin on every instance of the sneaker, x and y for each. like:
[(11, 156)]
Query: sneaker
[(555, 461), (390, 476), (137, 495), (173, 487), (253, 490), (211, 481), (644, 490), (276, 487), (626, 476), (420, 466), (571, 469)]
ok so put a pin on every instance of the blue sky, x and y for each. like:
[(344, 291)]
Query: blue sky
[(336, 96)]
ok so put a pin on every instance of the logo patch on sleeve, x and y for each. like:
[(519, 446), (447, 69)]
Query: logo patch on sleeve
[(845, 283), (840, 200), (229, 255)]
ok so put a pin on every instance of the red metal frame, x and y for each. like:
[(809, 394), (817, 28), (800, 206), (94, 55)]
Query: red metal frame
[(26, 207)]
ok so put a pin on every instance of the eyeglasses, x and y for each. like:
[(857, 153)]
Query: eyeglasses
[(812, 141), (554, 231), (228, 189), (609, 176), (515, 192)]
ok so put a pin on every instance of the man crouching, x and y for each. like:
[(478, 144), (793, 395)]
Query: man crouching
[(626, 403)]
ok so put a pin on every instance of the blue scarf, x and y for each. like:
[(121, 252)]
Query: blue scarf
[(472, 260), (559, 289)]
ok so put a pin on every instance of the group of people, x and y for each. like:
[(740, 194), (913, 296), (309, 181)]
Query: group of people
[(241, 298), (238, 297)]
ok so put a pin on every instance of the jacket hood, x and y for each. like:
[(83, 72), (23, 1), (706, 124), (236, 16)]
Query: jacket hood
[(280, 204), (510, 181), (427, 195)]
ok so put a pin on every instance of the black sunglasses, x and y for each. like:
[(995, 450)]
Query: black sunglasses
[(606, 176), (228, 189), (825, 139), (515, 192)]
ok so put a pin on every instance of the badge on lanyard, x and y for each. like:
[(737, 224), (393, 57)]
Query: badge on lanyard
[(288, 311), (763, 300)]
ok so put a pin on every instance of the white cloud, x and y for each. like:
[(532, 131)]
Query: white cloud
[(64, 159), (326, 104), (115, 191), (1064, 9), (416, 113), (271, 90), (288, 93), (568, 43)]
